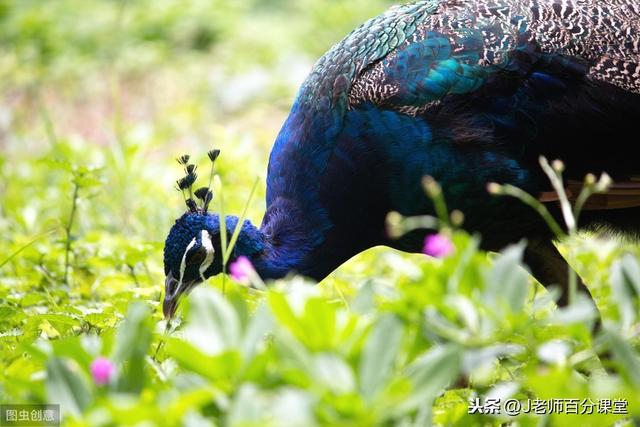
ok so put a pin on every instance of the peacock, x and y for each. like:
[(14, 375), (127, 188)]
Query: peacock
[(467, 92)]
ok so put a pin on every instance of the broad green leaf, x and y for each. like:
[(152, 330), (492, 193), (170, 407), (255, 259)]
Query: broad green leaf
[(247, 408), (194, 419), (66, 386), (625, 280), (581, 311), (466, 311), (72, 348), (554, 352), (475, 358), (503, 391), (292, 351), (364, 300), (319, 320), (133, 334), (256, 334), (132, 342), (333, 373), (507, 280), (285, 407), (213, 325), (292, 407), (285, 315), (6, 313), (625, 355), (430, 374), (379, 355), (214, 367), (631, 269)]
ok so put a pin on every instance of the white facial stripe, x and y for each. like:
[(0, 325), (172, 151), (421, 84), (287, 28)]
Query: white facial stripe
[(208, 246), (183, 263)]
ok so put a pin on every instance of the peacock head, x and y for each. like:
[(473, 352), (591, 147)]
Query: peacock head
[(192, 251), (192, 254)]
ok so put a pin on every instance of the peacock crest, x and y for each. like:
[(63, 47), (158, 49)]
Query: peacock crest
[(197, 201)]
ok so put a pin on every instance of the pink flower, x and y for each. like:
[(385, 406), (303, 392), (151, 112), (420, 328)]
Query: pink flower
[(102, 370), (437, 246), (241, 269)]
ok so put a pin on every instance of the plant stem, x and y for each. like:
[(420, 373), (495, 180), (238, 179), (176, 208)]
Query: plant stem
[(556, 182), (534, 203), (573, 279), (238, 227), (224, 279), (223, 229), (419, 222), (74, 204), (132, 272), (13, 255), (341, 295), (434, 191), (167, 327)]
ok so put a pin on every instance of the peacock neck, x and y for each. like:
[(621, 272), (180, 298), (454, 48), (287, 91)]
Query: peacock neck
[(255, 245), (294, 243), (288, 239)]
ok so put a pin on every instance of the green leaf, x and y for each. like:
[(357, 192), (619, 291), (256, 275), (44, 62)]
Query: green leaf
[(554, 352), (72, 348), (215, 368), (293, 354), (465, 310), (625, 355), (256, 333), (508, 281), (213, 325), (319, 320), (379, 354), (285, 315), (581, 311), (430, 374), (625, 280), (132, 342), (133, 334), (7, 313), (66, 386), (479, 358), (62, 322), (364, 300), (631, 269), (333, 373), (247, 408)]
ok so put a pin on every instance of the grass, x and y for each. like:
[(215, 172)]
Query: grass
[(98, 98)]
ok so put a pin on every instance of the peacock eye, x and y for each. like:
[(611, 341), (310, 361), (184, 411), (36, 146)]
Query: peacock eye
[(196, 257)]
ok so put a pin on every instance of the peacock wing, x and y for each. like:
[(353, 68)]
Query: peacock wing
[(463, 46)]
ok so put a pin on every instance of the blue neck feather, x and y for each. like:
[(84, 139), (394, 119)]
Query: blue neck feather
[(280, 246)]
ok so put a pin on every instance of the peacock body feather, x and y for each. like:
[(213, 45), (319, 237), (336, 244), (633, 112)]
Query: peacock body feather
[(465, 91)]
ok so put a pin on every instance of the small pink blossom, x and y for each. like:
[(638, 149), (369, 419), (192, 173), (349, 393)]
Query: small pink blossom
[(437, 246), (102, 370), (241, 269)]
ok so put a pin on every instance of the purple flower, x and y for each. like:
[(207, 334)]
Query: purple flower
[(437, 246), (241, 269), (102, 370)]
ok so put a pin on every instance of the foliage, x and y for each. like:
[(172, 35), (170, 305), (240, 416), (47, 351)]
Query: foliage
[(101, 96)]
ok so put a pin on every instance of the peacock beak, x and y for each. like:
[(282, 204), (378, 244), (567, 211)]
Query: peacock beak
[(171, 294)]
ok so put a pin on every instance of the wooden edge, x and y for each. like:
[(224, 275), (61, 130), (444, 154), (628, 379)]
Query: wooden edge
[(620, 195)]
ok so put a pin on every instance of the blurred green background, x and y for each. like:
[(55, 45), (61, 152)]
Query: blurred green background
[(124, 87)]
